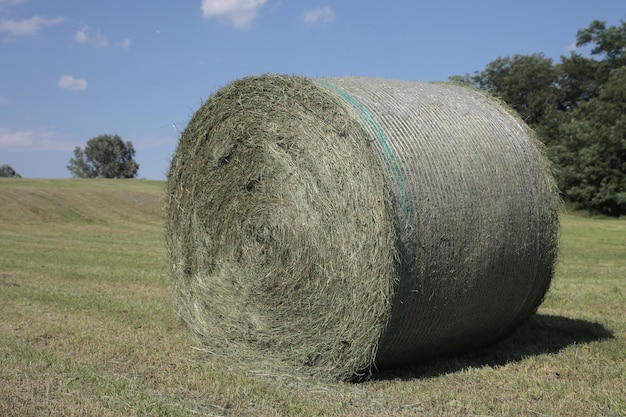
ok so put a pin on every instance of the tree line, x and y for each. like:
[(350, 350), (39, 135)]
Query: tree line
[(105, 156), (578, 109)]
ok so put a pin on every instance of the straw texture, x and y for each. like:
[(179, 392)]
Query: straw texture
[(335, 225)]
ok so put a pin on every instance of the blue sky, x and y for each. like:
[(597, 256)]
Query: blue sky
[(73, 69)]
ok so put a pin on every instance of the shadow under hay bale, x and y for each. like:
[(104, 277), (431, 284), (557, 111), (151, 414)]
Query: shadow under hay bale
[(541, 334), (335, 225)]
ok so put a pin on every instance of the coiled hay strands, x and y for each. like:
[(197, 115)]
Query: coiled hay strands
[(336, 225)]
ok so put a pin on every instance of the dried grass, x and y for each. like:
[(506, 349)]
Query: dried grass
[(332, 225)]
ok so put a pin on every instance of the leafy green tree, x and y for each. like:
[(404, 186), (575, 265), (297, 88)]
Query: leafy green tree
[(105, 156), (591, 154), (578, 77), (8, 172), (607, 42)]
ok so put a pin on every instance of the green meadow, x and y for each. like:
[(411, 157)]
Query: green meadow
[(87, 327)]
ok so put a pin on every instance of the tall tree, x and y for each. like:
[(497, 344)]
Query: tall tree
[(591, 153), (105, 156)]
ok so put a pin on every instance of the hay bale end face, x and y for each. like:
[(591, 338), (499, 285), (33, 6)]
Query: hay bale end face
[(334, 225)]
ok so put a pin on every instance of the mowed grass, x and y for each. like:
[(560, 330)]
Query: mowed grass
[(87, 327)]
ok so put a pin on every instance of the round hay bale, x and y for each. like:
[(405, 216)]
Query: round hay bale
[(336, 225)]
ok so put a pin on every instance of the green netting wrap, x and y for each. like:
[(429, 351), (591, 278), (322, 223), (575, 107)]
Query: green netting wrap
[(335, 225)]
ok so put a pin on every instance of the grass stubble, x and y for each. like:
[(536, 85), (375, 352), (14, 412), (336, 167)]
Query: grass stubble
[(88, 327)]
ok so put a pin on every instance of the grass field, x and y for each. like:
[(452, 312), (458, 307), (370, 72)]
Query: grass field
[(87, 327)]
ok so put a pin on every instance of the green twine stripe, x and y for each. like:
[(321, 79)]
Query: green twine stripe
[(404, 290), (390, 157), (404, 285)]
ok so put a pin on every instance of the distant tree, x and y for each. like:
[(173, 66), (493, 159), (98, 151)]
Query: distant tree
[(7, 171), (105, 156)]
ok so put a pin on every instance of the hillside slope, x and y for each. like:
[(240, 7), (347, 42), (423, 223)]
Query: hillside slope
[(81, 229), (31, 201)]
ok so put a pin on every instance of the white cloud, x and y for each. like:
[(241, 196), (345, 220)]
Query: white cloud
[(86, 36), (28, 27), (8, 3), (149, 142), (99, 40), (32, 140), (81, 35), (571, 47), (70, 83), (324, 14), (238, 13)]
